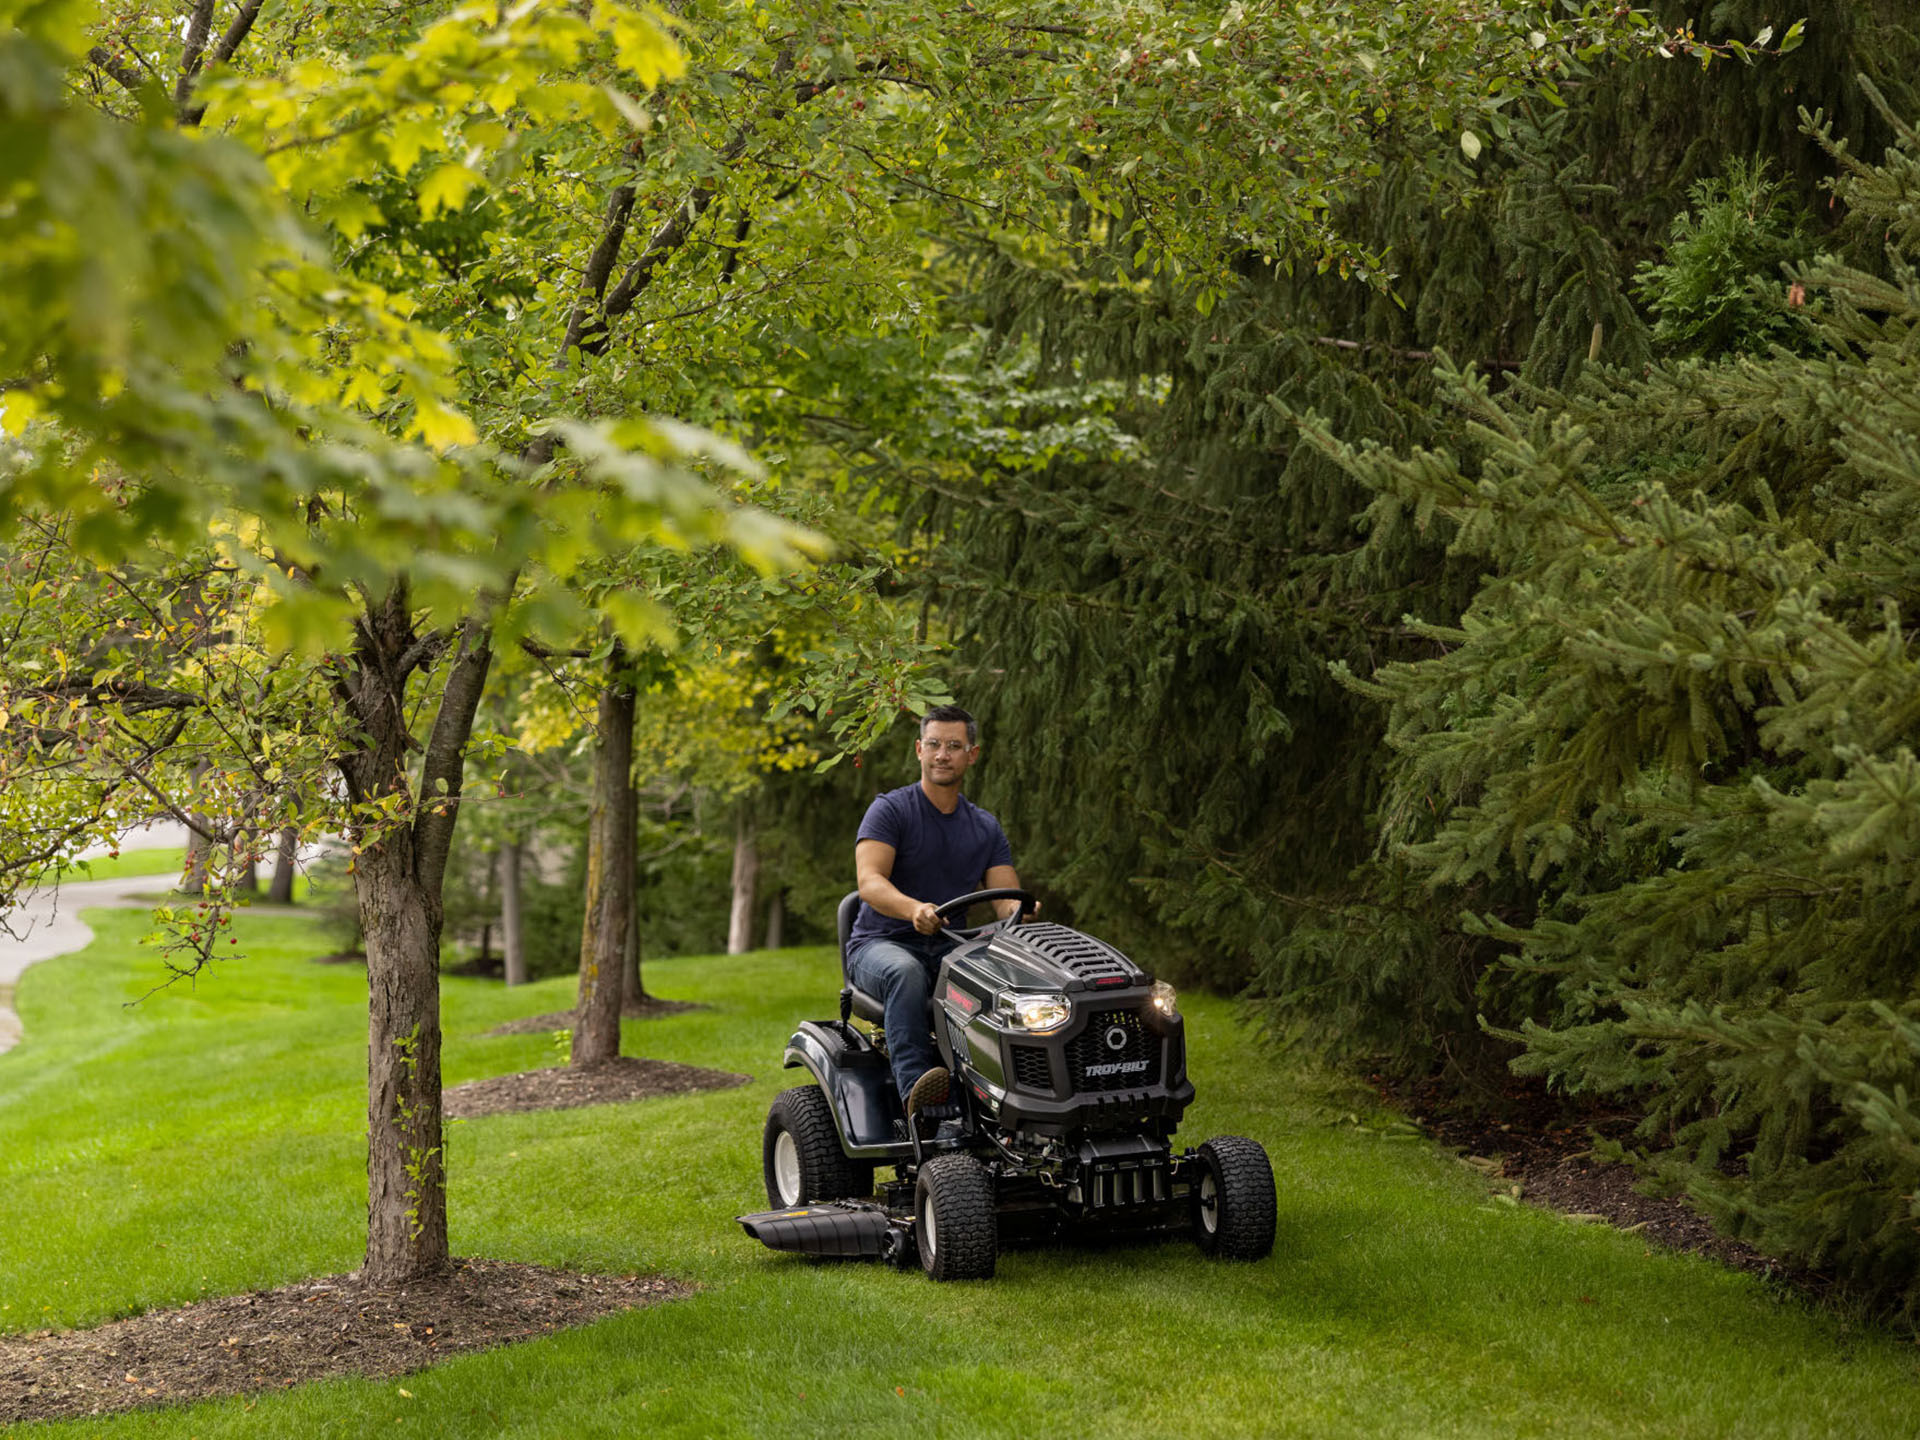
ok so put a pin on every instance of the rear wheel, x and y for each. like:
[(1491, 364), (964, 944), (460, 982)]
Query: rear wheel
[(1233, 1201), (801, 1154), (954, 1219)]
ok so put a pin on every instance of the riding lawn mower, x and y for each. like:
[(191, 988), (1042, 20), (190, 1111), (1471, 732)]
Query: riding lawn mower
[(1069, 1074)]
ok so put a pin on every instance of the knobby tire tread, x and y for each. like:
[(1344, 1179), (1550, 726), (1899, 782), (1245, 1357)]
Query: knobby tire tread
[(1248, 1211), (825, 1171), (962, 1194)]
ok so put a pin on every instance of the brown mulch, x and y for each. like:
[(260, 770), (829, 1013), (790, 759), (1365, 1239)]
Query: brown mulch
[(648, 1009), (1535, 1140), (565, 1088), (314, 1330)]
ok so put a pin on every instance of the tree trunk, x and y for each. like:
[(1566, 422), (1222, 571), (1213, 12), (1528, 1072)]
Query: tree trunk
[(746, 874), (777, 919), (406, 1172), (512, 937), (612, 854), (633, 991), (399, 870), (280, 888)]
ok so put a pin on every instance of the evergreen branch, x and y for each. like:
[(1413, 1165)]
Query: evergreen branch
[(1421, 356)]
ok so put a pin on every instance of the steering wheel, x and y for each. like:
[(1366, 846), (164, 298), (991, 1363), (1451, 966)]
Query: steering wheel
[(960, 904)]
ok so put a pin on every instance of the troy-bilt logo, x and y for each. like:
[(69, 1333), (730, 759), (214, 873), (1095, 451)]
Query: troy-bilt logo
[(1117, 1067), (960, 997)]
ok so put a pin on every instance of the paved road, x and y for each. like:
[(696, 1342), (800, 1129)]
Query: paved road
[(47, 923)]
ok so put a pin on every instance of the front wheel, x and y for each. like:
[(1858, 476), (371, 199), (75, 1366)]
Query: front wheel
[(955, 1219), (801, 1154), (1233, 1201)]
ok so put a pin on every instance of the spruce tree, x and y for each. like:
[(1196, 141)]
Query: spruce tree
[(1666, 760), (1153, 628)]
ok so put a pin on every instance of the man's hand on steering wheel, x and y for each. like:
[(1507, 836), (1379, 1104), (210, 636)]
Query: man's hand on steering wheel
[(926, 918)]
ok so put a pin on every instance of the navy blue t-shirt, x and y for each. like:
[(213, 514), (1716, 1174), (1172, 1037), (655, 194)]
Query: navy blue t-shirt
[(935, 857)]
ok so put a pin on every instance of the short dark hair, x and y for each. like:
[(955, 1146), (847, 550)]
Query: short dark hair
[(948, 713)]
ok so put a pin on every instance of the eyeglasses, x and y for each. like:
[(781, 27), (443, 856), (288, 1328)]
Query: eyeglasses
[(952, 747)]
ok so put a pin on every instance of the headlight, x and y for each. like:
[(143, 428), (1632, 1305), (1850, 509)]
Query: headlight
[(1163, 998), (1040, 1012)]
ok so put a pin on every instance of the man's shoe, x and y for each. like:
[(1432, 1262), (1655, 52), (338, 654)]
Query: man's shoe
[(931, 1088)]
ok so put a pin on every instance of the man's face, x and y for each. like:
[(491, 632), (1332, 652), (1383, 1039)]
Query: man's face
[(944, 753)]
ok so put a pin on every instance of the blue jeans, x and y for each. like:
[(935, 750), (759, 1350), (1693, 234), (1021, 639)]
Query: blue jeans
[(899, 973)]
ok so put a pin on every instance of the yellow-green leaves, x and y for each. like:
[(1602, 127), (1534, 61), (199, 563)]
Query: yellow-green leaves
[(454, 92), (17, 409), (446, 188), (641, 44), (441, 426), (637, 619)]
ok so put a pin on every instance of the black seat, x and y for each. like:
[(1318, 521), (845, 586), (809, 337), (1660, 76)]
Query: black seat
[(853, 1000)]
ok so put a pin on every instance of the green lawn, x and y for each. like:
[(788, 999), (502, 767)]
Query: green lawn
[(210, 1141), (129, 865)]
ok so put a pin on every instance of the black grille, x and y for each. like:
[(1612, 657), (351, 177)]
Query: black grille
[(1030, 1068), (1081, 955), (1095, 1062)]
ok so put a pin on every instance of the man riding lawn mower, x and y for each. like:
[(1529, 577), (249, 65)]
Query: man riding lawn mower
[(1070, 1078), (1043, 1073)]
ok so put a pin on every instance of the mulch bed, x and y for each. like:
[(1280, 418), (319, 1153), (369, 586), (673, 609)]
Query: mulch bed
[(273, 1339), (565, 1088), (648, 1009), (1535, 1140)]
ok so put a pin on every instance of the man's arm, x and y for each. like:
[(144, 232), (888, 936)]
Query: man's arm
[(1002, 877), (873, 865)]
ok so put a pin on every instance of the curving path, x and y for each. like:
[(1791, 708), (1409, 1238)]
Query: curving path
[(47, 923)]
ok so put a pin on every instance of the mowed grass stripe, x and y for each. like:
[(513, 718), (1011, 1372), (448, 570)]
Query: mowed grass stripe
[(209, 1141)]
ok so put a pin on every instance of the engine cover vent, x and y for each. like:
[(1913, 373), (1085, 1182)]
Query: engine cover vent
[(1079, 955)]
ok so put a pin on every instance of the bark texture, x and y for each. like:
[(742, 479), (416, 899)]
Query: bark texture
[(612, 847), (399, 867), (406, 1170)]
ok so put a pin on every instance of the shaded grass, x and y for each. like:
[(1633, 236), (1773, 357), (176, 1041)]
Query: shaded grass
[(210, 1140)]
